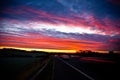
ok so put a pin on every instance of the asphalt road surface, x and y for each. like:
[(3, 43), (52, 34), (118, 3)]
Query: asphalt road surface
[(62, 71), (74, 68), (78, 69)]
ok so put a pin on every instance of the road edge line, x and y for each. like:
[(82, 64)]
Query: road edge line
[(89, 77), (34, 76)]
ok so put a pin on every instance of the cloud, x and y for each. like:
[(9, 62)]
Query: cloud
[(63, 24), (85, 22)]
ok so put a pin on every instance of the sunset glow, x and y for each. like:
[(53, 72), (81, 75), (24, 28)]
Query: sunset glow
[(45, 50), (61, 26)]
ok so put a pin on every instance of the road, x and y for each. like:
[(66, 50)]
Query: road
[(74, 68), (77, 69), (65, 72)]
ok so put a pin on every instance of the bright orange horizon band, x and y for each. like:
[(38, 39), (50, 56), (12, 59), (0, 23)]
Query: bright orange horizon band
[(54, 50), (46, 50)]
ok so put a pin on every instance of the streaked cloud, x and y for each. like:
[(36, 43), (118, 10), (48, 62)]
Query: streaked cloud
[(63, 24)]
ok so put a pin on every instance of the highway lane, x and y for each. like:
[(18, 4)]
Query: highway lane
[(62, 71), (74, 69), (97, 70)]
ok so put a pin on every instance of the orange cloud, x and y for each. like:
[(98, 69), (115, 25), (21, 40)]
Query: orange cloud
[(50, 43)]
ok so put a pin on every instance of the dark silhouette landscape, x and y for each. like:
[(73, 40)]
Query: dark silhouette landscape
[(34, 65)]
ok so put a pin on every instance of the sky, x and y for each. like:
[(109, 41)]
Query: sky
[(60, 24)]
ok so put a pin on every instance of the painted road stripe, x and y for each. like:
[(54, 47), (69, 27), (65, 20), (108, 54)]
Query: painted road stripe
[(89, 77), (34, 76)]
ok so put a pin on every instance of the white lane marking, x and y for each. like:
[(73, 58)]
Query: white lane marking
[(89, 77), (33, 78)]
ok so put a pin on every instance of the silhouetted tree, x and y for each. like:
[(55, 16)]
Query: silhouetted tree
[(111, 52)]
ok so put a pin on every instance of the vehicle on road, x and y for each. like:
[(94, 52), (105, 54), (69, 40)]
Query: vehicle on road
[(66, 57)]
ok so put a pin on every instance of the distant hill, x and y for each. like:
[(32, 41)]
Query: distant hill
[(10, 52)]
